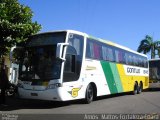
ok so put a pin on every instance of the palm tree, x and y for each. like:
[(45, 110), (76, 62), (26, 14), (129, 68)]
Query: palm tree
[(158, 49), (148, 45)]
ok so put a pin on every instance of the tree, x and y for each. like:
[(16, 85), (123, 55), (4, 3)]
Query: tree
[(148, 45), (15, 24)]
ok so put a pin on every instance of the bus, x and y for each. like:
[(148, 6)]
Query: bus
[(154, 73), (69, 65)]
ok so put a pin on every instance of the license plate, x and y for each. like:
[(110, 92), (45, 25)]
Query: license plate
[(34, 94)]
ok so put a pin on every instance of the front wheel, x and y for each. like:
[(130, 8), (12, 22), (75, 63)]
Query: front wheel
[(89, 94)]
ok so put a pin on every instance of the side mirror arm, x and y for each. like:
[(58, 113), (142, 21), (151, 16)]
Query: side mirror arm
[(60, 50)]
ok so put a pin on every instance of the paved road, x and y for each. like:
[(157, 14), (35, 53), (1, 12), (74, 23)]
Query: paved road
[(146, 102)]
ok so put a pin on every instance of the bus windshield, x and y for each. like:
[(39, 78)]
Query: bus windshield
[(39, 61)]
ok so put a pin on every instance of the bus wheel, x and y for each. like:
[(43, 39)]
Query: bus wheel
[(135, 91), (140, 88), (89, 94)]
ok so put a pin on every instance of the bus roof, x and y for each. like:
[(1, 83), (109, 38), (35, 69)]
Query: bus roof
[(71, 31), (98, 39)]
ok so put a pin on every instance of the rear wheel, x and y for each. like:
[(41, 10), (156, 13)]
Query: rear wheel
[(135, 91), (89, 94), (140, 88)]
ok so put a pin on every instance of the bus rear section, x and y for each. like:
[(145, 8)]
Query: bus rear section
[(114, 68)]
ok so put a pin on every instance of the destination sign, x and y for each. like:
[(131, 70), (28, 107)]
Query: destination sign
[(46, 39)]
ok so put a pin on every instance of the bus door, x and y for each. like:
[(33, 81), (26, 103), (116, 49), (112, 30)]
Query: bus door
[(73, 63)]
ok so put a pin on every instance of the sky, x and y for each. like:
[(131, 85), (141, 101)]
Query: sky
[(125, 22)]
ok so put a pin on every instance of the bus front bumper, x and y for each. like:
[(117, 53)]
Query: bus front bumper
[(48, 94)]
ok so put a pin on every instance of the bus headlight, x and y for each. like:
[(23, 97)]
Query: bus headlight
[(53, 86)]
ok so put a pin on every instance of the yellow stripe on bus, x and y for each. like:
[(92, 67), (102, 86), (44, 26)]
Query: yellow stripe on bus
[(123, 77)]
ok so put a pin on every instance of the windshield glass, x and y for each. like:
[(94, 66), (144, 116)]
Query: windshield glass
[(154, 70), (39, 59)]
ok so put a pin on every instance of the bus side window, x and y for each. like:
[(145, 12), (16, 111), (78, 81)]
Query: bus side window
[(111, 54), (96, 51), (88, 50), (104, 53)]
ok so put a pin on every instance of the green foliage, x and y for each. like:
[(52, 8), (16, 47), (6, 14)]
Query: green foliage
[(15, 24), (148, 45)]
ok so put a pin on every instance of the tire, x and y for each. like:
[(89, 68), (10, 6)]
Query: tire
[(140, 88), (135, 91), (89, 94)]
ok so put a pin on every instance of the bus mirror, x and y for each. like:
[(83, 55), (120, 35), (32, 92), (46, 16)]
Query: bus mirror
[(15, 54), (60, 49)]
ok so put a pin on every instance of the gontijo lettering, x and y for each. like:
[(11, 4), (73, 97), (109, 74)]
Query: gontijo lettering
[(133, 70)]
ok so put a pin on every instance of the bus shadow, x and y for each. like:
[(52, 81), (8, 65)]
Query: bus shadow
[(13, 103)]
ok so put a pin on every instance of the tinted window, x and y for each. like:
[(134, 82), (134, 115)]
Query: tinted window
[(94, 49), (101, 51)]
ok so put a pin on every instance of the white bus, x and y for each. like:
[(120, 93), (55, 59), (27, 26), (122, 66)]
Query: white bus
[(154, 73), (69, 65)]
